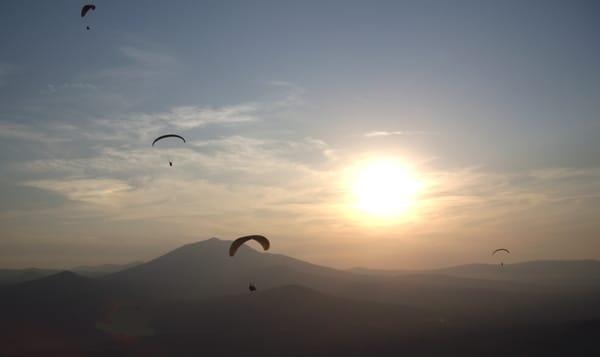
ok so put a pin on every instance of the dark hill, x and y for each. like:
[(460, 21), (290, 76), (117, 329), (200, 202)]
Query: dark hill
[(204, 269), (573, 273), (290, 320), (195, 300), (15, 276)]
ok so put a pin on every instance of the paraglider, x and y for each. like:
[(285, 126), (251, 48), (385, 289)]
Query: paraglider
[(263, 241), (165, 137), (501, 250), (85, 9)]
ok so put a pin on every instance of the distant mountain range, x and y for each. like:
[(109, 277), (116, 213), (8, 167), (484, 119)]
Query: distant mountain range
[(13, 276), (541, 272), (195, 300)]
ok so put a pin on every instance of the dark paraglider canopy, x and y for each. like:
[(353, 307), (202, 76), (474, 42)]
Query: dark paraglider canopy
[(264, 242), (252, 287), (168, 136), (501, 250), (86, 8)]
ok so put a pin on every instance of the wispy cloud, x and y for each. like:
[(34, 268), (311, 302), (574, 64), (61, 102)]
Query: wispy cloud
[(143, 64), (192, 117), (74, 86), (14, 131), (148, 58), (470, 199), (95, 191), (373, 134), (142, 127)]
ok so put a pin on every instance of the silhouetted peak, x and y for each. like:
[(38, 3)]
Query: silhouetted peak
[(62, 280), (214, 247), (61, 276), (211, 242), (64, 276), (208, 246)]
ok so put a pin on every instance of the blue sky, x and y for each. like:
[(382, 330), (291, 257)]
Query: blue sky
[(494, 104)]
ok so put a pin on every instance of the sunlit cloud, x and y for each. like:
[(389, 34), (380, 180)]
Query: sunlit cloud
[(374, 134), (95, 191)]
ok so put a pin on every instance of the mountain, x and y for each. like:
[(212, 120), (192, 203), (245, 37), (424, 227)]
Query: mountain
[(194, 300), (99, 270), (55, 297), (296, 321), (548, 272), (55, 315), (203, 270), (541, 271), (288, 320), (14, 276)]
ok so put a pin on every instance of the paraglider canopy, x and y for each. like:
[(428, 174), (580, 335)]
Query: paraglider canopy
[(263, 241), (86, 8), (252, 287), (168, 136)]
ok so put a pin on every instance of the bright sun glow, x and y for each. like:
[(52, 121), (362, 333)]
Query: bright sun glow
[(385, 188)]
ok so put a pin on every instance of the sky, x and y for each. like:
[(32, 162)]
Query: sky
[(489, 109)]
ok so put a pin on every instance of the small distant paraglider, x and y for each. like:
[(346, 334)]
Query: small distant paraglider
[(85, 9), (506, 251), (262, 240), (252, 287), (165, 137)]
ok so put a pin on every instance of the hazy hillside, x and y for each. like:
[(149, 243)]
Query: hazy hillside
[(99, 270), (195, 298), (13, 276), (551, 272), (204, 269)]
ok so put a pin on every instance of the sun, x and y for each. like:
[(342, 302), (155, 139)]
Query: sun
[(384, 188)]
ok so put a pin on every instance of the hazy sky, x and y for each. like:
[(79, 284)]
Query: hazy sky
[(492, 105)]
